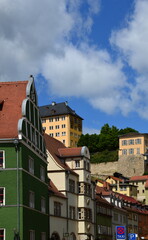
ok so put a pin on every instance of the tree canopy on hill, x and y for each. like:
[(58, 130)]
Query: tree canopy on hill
[(108, 139)]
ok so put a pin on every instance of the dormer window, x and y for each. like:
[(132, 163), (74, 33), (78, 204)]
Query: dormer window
[(1, 104), (77, 163)]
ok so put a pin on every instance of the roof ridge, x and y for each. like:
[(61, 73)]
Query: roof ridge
[(13, 82)]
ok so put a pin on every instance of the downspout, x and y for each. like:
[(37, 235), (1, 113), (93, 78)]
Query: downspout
[(16, 142)]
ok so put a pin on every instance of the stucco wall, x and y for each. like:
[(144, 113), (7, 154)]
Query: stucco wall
[(127, 165)]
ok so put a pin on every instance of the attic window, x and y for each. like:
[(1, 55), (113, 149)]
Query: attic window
[(1, 104)]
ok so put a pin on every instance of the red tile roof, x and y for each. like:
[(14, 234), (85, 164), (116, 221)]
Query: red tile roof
[(72, 152), (12, 93), (138, 178)]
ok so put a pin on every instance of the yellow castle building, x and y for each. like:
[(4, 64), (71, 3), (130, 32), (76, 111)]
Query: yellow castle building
[(61, 122)]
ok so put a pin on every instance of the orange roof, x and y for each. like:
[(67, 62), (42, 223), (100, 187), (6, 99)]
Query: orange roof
[(69, 152), (12, 94), (139, 178)]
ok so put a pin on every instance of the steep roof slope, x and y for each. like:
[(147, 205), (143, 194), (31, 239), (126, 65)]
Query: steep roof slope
[(57, 109), (11, 96)]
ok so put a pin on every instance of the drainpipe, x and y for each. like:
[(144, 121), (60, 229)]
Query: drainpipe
[(17, 234)]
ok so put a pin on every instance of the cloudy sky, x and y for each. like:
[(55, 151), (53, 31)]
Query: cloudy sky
[(91, 53)]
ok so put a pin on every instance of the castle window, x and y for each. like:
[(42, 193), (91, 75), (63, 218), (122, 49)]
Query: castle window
[(131, 151), (124, 142), (124, 152), (131, 142)]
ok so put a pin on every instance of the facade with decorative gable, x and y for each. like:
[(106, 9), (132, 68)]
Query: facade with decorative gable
[(23, 164), (69, 169)]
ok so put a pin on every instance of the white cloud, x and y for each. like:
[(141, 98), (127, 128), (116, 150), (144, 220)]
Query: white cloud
[(35, 37), (132, 41)]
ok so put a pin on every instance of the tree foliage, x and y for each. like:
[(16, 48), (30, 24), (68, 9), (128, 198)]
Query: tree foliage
[(105, 142)]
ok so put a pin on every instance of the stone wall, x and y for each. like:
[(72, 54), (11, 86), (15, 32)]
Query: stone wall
[(126, 165)]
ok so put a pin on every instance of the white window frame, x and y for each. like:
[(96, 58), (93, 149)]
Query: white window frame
[(31, 235), (51, 134), (50, 127), (3, 164), (4, 233), (31, 199), (57, 134), (31, 165), (63, 133), (3, 203), (63, 125), (42, 173)]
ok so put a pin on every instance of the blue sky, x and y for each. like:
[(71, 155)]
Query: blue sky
[(91, 53)]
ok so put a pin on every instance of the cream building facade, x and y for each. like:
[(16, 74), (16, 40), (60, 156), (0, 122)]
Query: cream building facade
[(61, 122), (142, 187), (133, 143), (69, 170)]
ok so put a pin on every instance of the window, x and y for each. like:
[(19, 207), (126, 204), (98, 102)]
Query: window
[(63, 125), (2, 234), (43, 120), (131, 151), (138, 141), (51, 135), (77, 163), (57, 209), (2, 196), (43, 205), (50, 119), (124, 152), (31, 199), (63, 133), (79, 213), (63, 118), (44, 128), (131, 141), (50, 127), (138, 150), (88, 214), (72, 212), (57, 127), (2, 159), (57, 119), (71, 185), (124, 142), (57, 134), (31, 235), (42, 173), (43, 236), (31, 165), (115, 216), (63, 141)]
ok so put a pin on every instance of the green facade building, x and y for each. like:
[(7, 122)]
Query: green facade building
[(23, 164)]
